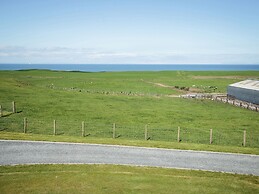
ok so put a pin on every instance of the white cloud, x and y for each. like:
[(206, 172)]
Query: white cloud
[(14, 54)]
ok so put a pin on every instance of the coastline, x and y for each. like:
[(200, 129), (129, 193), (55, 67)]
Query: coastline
[(130, 67)]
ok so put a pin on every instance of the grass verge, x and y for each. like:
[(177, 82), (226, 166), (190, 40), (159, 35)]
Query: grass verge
[(153, 144), (120, 179)]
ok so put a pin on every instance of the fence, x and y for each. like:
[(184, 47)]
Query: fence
[(238, 137), (7, 109)]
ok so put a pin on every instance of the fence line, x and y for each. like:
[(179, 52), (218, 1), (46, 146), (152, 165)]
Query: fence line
[(211, 139), (8, 109), (1, 111), (83, 128), (146, 132), (25, 125)]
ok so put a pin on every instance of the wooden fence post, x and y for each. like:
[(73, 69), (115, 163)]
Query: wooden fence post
[(178, 135), (25, 125), (114, 131), (146, 132), (210, 136), (14, 107), (83, 128), (244, 141), (54, 127), (1, 111)]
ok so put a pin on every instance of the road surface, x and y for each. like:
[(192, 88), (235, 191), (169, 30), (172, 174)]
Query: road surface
[(29, 152)]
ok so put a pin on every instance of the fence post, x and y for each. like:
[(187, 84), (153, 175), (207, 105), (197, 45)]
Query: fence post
[(1, 111), (210, 136), (114, 131), (244, 141), (178, 135), (54, 127), (145, 132), (25, 125), (14, 107), (83, 128)]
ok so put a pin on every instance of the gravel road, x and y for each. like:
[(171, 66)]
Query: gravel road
[(29, 152)]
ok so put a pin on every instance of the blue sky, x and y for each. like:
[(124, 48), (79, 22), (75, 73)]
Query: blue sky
[(129, 31)]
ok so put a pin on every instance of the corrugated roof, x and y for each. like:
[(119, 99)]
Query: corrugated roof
[(247, 84)]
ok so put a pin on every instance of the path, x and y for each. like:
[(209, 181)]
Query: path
[(29, 152)]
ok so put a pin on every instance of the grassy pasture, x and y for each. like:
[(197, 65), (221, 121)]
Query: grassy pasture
[(119, 179), (129, 99)]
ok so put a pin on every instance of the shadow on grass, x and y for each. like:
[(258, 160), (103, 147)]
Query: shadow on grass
[(7, 114)]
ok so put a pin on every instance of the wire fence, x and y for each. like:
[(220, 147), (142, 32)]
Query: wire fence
[(7, 109), (172, 133)]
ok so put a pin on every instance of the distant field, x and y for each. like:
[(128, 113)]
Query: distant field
[(129, 99), (119, 179)]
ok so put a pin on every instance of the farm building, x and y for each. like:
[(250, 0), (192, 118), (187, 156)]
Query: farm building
[(247, 90)]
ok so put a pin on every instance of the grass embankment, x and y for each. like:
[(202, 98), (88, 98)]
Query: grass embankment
[(129, 99), (119, 179), (126, 142)]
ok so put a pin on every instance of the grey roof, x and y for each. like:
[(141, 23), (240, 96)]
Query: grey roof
[(247, 84)]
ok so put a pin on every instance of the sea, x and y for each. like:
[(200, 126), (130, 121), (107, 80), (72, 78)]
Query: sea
[(130, 67)]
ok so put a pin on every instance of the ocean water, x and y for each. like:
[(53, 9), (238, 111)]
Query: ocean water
[(133, 67)]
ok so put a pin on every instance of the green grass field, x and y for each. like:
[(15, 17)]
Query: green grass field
[(129, 99), (119, 179)]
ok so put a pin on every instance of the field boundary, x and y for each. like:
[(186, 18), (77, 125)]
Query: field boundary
[(224, 98), (147, 132)]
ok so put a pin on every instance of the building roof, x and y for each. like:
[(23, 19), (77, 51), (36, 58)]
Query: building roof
[(247, 84)]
